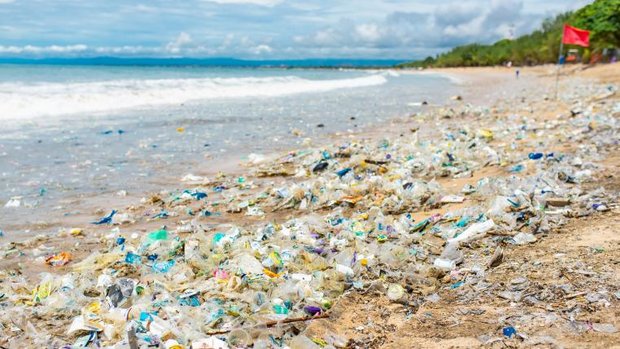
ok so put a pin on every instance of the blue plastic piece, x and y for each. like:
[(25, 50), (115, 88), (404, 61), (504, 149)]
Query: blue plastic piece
[(343, 172), (106, 220), (535, 156), (133, 258), (163, 267), (509, 331), (517, 168)]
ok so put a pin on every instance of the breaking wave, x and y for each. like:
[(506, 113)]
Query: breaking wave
[(34, 100)]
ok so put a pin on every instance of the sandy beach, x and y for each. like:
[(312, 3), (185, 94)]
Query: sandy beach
[(428, 177)]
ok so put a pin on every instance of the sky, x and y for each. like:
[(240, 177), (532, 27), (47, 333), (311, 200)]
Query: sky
[(262, 29)]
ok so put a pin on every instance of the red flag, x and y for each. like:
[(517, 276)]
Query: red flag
[(576, 36)]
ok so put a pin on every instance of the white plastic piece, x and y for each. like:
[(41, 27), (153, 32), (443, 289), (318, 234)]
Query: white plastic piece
[(475, 231)]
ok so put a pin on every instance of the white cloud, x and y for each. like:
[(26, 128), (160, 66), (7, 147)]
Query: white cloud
[(70, 50), (127, 50), (182, 46), (268, 3), (263, 28), (145, 8), (261, 49), (447, 25), (464, 30), (368, 32), (228, 41), (182, 40), (30, 49)]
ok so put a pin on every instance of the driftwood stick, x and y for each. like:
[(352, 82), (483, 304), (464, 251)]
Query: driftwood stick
[(274, 323), (375, 162), (575, 295)]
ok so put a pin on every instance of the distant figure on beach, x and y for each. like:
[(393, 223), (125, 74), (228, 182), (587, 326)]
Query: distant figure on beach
[(517, 73)]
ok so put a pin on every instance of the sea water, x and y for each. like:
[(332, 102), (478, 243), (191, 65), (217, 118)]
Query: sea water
[(82, 131)]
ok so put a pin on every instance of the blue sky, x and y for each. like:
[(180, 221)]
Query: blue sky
[(261, 29)]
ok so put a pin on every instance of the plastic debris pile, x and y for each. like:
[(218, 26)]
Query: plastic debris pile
[(346, 217)]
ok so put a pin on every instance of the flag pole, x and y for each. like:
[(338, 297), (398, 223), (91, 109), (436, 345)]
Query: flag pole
[(557, 71)]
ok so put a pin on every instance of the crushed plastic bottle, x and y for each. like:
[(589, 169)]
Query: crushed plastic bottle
[(474, 231)]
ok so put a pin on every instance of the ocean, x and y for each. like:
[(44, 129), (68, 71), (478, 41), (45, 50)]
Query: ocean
[(73, 132)]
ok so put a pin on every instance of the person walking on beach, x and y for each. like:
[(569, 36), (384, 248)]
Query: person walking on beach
[(517, 73)]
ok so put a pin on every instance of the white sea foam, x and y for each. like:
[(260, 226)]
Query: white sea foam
[(35, 100)]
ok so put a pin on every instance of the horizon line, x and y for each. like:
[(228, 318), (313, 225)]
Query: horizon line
[(208, 61)]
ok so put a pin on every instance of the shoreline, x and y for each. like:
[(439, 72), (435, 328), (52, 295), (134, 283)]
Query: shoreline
[(95, 204), (428, 124)]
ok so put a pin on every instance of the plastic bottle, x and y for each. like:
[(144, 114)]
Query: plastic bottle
[(475, 231)]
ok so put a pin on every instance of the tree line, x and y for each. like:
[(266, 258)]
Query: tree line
[(601, 18)]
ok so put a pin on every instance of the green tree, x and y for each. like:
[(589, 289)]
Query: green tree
[(602, 18)]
